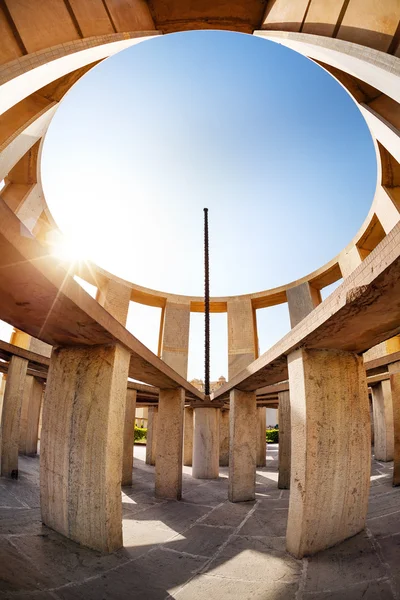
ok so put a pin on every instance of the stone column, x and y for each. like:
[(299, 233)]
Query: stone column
[(206, 443), (224, 438), (242, 335), (394, 371), (12, 403), (151, 441), (302, 299), (129, 437), (261, 436), (242, 447), (170, 444), (188, 437), (175, 337), (383, 421), (30, 413), (82, 444), (115, 297), (284, 440), (331, 449)]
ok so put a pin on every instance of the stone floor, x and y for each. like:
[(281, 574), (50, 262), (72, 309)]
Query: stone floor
[(202, 548)]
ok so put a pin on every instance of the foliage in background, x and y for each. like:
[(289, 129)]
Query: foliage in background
[(272, 436), (140, 434)]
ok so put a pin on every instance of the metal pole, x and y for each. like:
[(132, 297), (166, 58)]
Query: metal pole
[(206, 308)]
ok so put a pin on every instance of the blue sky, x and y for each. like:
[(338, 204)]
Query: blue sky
[(263, 137)]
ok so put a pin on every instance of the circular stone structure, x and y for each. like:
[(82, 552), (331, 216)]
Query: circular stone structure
[(44, 49)]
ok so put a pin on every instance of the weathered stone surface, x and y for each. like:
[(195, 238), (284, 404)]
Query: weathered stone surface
[(188, 437), (285, 435), (168, 482), (175, 339), (331, 447), (206, 443), (151, 442), (302, 299), (224, 438), (394, 371), (242, 449), (82, 444), (129, 437), (167, 545), (343, 566), (271, 522), (383, 421), (261, 437), (30, 413), (12, 403), (241, 335)]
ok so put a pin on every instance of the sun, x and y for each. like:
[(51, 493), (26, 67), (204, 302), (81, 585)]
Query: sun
[(68, 249)]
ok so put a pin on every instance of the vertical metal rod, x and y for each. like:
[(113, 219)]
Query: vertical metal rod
[(206, 308)]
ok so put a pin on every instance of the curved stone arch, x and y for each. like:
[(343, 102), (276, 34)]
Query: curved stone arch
[(384, 73)]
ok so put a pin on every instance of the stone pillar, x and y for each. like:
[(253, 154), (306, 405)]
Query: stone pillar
[(175, 337), (302, 299), (151, 440), (12, 403), (206, 443), (383, 420), (261, 437), (331, 449), (224, 438), (242, 335), (285, 435), (129, 437), (82, 444), (30, 413), (242, 447), (170, 444), (188, 437), (115, 297), (394, 371)]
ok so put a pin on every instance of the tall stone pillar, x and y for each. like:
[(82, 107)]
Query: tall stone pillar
[(331, 445), (242, 447), (129, 437), (30, 413), (115, 297), (242, 335), (394, 371), (261, 436), (151, 441), (175, 337), (224, 438), (188, 437), (12, 403), (82, 444), (383, 420), (170, 444), (284, 440), (206, 443), (302, 299)]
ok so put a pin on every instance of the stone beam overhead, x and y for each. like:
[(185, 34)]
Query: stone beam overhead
[(359, 314), (52, 307)]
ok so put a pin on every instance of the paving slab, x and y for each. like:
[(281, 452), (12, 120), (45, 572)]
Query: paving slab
[(351, 562)]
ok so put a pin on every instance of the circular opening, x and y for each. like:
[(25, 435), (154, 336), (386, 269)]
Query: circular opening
[(265, 138)]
